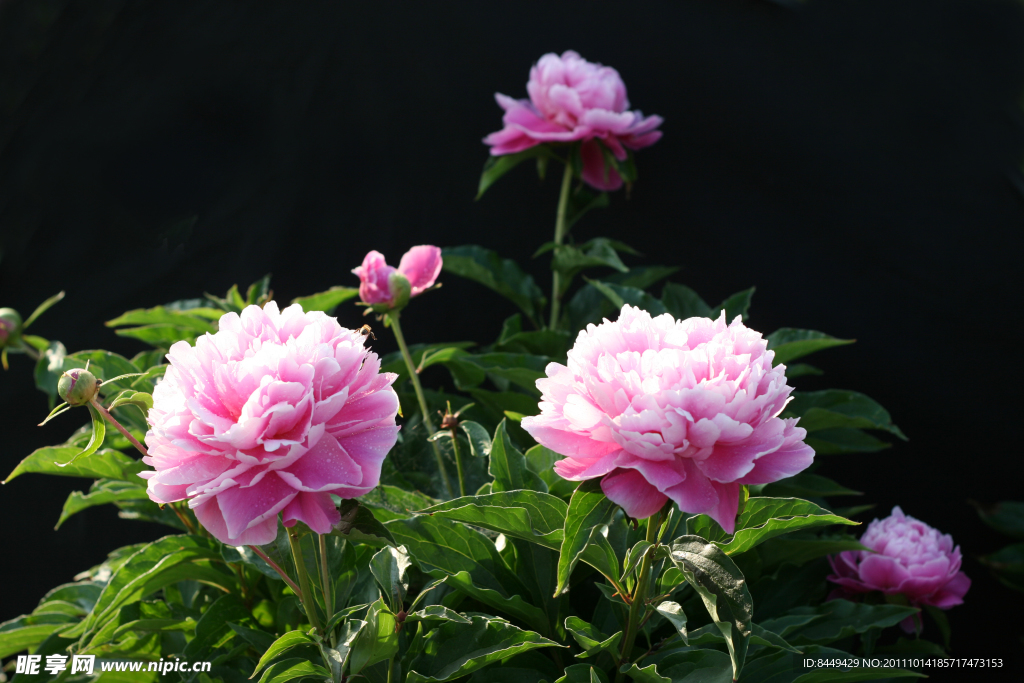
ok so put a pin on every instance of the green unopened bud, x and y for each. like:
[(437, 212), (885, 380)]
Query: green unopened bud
[(400, 290), (78, 386), (10, 327)]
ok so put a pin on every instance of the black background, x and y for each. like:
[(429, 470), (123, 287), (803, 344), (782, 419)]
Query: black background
[(855, 159)]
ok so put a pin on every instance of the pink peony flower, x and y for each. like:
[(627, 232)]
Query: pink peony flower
[(661, 408), (420, 266), (909, 558), (272, 414), (573, 99)]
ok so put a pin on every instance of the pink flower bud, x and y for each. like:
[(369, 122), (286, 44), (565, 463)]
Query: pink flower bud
[(78, 386), (573, 99), (907, 558), (420, 267), (10, 326)]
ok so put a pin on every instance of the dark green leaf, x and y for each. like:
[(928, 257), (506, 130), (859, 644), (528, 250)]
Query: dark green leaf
[(807, 484), (682, 302), (470, 560), (541, 462), (841, 618), (196, 321), (436, 613), (722, 588), (99, 432), (377, 641), (479, 439), (454, 650), (502, 275), (673, 612), (1008, 565), (583, 673), (214, 625), (844, 440), (589, 511), (764, 518), (1006, 517), (508, 466), (582, 200), (27, 631), (390, 567), (293, 669), (326, 301), (694, 666), (839, 409), (619, 296), (102, 491), (735, 305), (258, 292), (497, 166), (390, 502), (358, 524), (286, 642), (589, 638), (790, 344)]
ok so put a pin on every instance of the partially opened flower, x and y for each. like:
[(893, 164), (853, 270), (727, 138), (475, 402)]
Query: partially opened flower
[(573, 99), (664, 409), (387, 288), (908, 558), (271, 415)]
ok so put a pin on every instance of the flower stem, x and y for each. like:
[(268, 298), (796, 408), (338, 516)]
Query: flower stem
[(458, 461), (393, 317), (639, 602), (112, 420), (30, 351), (560, 230), (306, 593), (277, 568), (325, 581)]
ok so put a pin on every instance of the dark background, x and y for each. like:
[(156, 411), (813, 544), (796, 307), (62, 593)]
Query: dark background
[(855, 159)]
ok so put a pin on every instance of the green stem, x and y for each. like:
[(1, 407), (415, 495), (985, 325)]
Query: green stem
[(30, 351), (556, 280), (391, 669), (414, 376), (306, 592), (112, 420), (639, 602), (325, 581), (458, 462), (277, 568)]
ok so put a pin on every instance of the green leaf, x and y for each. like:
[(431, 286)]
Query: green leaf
[(27, 631), (153, 566), (190, 320), (281, 645), (721, 587), (807, 484), (102, 464), (1006, 517), (790, 343), (102, 491), (141, 399), (841, 619), (326, 301), (582, 200), (470, 370), (735, 305), (797, 551), (844, 440), (591, 639), (583, 673), (454, 650), (471, 561), (52, 363), (550, 343), (839, 409), (787, 667), (530, 515), (258, 292), (694, 666), (764, 518), (390, 567), (634, 556), (541, 462), (682, 302), (214, 625), (293, 669), (479, 439), (508, 466), (391, 502), (358, 524), (589, 512), (377, 641), (570, 260), (434, 613), (620, 296), (99, 432), (497, 166), (42, 308), (673, 612), (502, 275), (1008, 565), (801, 370)]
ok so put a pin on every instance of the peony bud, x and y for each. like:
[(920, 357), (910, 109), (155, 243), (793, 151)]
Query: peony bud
[(78, 386), (10, 327), (401, 290), (385, 288)]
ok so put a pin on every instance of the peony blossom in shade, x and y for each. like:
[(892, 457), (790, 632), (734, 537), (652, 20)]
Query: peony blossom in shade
[(420, 267), (670, 409), (573, 99), (907, 558), (271, 415)]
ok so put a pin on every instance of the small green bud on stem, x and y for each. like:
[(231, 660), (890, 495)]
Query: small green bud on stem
[(78, 387), (10, 327)]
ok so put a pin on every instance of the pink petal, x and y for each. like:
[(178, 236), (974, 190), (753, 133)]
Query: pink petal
[(421, 265), (324, 467), (209, 515), (316, 510), (246, 507), (596, 172), (629, 490)]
